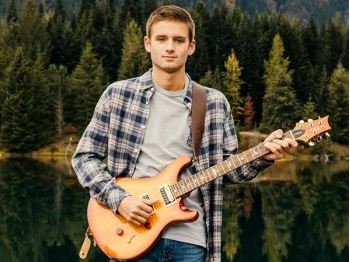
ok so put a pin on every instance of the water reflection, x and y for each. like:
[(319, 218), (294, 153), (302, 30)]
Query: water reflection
[(297, 211), (303, 218)]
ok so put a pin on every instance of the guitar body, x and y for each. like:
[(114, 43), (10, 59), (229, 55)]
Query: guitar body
[(122, 240)]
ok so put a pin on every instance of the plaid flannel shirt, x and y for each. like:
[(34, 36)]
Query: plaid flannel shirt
[(117, 129)]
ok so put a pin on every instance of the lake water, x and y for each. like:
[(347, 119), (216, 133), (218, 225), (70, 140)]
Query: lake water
[(294, 211)]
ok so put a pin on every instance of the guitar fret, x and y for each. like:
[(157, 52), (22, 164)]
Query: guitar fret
[(258, 147), (225, 167), (232, 162), (255, 152), (222, 167), (208, 174), (194, 179), (239, 159), (244, 158), (215, 172), (189, 182), (183, 186)]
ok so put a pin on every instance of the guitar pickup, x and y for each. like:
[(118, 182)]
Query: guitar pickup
[(166, 194)]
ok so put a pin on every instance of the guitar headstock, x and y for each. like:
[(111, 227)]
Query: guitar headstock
[(305, 131)]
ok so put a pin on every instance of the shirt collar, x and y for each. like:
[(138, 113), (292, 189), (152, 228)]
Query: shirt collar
[(146, 82)]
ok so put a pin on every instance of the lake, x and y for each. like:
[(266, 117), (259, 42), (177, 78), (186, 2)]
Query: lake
[(294, 211)]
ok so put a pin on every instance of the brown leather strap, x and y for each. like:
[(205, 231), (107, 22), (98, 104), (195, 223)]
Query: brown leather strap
[(199, 108), (85, 247)]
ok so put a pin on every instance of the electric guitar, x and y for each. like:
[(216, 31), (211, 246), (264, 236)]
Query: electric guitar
[(122, 240)]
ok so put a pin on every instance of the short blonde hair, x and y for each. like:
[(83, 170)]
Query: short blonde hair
[(171, 13)]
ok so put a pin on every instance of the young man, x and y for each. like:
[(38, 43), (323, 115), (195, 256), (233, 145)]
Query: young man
[(144, 123)]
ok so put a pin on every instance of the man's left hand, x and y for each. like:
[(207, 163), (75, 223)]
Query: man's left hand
[(278, 147)]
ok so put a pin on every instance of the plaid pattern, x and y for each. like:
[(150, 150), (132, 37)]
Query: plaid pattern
[(117, 129)]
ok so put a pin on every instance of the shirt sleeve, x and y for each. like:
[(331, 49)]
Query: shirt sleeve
[(230, 147), (87, 160)]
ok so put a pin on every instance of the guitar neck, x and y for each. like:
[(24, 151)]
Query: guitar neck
[(188, 184)]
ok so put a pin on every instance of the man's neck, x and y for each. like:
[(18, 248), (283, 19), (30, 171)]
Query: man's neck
[(169, 81)]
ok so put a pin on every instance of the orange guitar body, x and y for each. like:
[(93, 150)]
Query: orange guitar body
[(121, 240)]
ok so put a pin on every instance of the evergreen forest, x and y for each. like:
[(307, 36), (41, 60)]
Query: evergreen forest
[(274, 69)]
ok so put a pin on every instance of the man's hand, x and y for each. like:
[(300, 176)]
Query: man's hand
[(278, 147), (136, 210)]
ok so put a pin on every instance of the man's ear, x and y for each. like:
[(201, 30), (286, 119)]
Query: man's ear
[(147, 43), (192, 47)]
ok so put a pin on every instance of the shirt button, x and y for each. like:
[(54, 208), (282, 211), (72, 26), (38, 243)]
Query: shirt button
[(143, 127), (146, 102), (135, 150)]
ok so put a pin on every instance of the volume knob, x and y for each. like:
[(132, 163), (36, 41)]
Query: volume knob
[(119, 231)]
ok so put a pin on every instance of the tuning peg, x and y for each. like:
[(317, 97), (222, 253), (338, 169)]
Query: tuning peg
[(327, 134), (310, 120), (319, 138), (311, 143), (301, 122)]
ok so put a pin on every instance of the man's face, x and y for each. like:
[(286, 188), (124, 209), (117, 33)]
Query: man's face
[(169, 45)]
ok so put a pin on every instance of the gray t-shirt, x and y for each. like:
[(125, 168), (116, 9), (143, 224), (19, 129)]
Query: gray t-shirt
[(165, 140)]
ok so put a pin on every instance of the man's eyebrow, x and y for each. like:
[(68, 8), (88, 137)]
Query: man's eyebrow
[(177, 36)]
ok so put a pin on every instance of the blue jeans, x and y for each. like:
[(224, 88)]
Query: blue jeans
[(167, 250), (175, 251)]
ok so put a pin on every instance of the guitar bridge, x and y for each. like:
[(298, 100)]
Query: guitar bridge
[(166, 194)]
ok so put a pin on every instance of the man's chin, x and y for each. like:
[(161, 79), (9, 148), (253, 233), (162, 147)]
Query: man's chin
[(171, 69)]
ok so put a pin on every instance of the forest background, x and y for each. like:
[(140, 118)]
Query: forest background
[(276, 63)]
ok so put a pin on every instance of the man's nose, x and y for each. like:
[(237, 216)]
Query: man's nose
[(170, 45)]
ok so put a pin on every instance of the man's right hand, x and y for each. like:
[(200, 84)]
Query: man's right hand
[(136, 210)]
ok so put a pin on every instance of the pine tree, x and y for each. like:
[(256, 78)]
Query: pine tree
[(107, 42), (221, 40), (338, 104), (42, 118), (280, 106), (64, 48), (135, 60), (311, 41), (87, 86), (198, 63), (334, 37), (322, 93), (32, 33), (17, 135), (309, 110), (213, 79), (232, 85)]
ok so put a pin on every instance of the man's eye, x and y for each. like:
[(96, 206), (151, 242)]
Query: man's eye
[(179, 40)]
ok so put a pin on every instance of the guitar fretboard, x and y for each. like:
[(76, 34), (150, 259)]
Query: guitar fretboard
[(188, 184)]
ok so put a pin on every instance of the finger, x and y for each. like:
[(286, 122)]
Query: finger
[(275, 134), (275, 149), (146, 208), (150, 202), (133, 221), (138, 220), (291, 142), (142, 213), (283, 144)]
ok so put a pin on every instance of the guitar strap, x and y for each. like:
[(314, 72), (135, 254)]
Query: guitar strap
[(199, 108)]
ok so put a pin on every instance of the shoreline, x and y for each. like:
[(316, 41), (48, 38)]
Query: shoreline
[(65, 148)]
